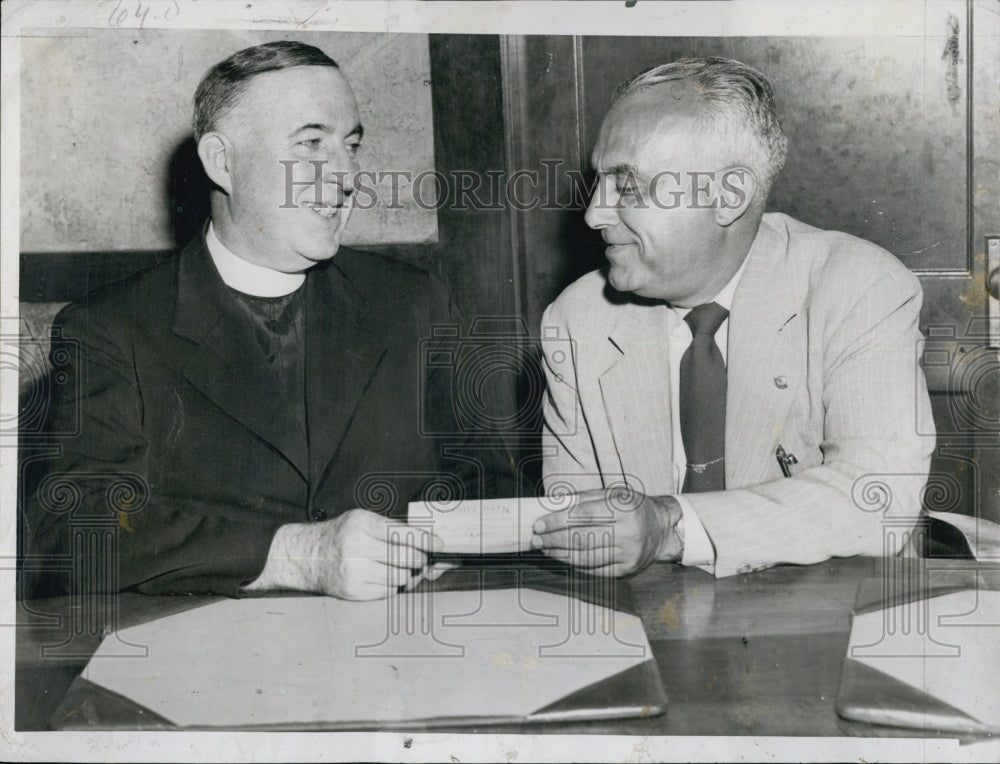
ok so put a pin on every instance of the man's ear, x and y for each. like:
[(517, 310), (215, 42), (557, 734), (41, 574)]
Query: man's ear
[(215, 151), (735, 193)]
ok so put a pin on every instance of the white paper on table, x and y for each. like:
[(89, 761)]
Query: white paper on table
[(487, 526), (312, 660), (946, 646)]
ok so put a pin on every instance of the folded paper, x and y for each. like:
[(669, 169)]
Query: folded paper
[(490, 526), (944, 648), (500, 654)]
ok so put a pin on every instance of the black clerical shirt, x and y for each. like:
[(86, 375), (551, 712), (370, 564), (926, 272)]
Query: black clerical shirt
[(278, 323)]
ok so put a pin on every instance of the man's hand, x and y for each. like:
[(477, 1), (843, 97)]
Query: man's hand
[(359, 555), (612, 532)]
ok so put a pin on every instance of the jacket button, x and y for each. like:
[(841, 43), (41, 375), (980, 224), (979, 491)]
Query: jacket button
[(318, 513), (781, 382)]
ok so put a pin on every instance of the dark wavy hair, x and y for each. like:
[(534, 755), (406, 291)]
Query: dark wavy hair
[(221, 87)]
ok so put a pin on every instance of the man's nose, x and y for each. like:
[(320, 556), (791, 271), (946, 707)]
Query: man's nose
[(341, 168), (601, 212)]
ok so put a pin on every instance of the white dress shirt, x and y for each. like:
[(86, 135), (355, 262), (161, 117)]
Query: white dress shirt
[(698, 549), (246, 277)]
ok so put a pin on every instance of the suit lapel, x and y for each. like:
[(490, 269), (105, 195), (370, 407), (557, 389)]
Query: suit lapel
[(228, 366), (635, 387), (766, 328), (342, 354)]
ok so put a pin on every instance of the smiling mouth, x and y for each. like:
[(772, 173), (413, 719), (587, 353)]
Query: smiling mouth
[(323, 210)]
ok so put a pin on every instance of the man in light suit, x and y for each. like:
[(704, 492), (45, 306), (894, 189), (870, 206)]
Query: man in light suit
[(798, 392), (250, 411)]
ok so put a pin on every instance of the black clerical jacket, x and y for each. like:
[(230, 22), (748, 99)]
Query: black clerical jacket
[(185, 456)]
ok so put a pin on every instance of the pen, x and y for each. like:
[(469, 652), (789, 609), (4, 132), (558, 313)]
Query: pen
[(785, 460)]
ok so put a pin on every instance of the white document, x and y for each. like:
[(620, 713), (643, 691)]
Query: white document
[(501, 653), (946, 646), (488, 526)]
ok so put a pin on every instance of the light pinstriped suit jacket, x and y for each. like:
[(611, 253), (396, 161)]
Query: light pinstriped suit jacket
[(822, 360)]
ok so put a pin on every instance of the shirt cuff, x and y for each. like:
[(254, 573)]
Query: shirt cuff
[(698, 548)]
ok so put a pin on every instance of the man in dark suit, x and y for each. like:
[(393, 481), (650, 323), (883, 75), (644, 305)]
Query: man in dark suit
[(251, 409)]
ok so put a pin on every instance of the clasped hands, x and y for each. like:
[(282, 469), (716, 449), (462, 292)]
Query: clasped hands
[(361, 555)]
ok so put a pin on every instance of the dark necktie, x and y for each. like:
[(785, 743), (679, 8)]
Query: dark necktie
[(703, 402)]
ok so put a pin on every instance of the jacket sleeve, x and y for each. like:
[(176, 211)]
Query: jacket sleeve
[(96, 518)]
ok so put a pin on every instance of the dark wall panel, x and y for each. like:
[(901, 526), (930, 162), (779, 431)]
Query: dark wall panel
[(474, 253)]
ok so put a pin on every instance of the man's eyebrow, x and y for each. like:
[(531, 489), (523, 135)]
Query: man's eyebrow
[(622, 169), (357, 130)]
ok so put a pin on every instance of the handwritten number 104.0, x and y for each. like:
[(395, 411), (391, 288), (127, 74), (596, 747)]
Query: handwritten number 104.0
[(124, 11)]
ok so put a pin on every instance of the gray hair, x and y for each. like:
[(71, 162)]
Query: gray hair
[(737, 100)]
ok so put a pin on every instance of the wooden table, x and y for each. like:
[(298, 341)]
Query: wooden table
[(757, 654)]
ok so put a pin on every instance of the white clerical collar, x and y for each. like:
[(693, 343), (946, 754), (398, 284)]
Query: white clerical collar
[(246, 277)]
